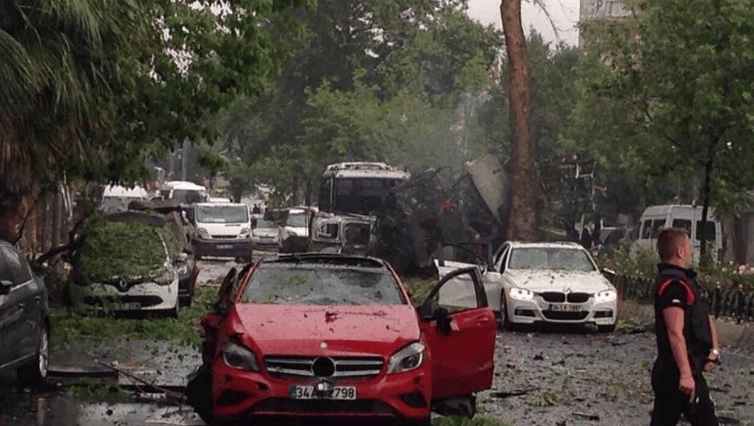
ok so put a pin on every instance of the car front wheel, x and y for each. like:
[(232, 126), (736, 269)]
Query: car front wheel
[(36, 372), (504, 318)]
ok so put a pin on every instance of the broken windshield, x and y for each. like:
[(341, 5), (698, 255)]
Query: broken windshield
[(321, 285), (222, 214), (551, 258)]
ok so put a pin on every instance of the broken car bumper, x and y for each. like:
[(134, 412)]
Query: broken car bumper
[(245, 395)]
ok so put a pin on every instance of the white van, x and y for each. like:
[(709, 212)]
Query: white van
[(116, 198), (184, 192), (222, 230), (656, 218)]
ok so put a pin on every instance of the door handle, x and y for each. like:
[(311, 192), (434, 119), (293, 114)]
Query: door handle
[(21, 304), (38, 299)]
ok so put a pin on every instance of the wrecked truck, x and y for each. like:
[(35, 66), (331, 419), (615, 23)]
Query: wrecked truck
[(351, 195), (423, 217)]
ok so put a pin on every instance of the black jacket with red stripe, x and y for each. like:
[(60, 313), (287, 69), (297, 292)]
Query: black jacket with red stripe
[(676, 286)]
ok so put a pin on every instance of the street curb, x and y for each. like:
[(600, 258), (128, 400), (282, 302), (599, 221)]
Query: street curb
[(729, 333)]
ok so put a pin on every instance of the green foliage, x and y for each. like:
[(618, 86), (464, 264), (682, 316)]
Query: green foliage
[(98, 390), (465, 421), (543, 399), (682, 74), (642, 263), (401, 97), (419, 289), (124, 249), (93, 88), (78, 326)]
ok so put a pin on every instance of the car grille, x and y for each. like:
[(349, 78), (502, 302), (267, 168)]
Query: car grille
[(578, 297), (225, 237), (351, 367), (145, 301), (565, 316), (553, 296)]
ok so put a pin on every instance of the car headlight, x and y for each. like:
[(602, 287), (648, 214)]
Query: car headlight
[(606, 296), (165, 279), (202, 233), (245, 232), (237, 356), (521, 294), (407, 359)]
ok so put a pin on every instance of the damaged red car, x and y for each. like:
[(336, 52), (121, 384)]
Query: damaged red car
[(334, 336)]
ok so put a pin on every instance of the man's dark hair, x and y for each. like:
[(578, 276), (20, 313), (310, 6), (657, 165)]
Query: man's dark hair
[(668, 240)]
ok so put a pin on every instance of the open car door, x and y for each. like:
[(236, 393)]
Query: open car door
[(461, 340), (462, 295)]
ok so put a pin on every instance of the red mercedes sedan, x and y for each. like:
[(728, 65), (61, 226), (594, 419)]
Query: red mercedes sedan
[(334, 336)]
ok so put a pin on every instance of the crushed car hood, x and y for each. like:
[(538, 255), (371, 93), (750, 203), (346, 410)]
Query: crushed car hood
[(539, 281), (302, 329)]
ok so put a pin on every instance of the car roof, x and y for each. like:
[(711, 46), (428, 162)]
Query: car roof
[(557, 244), (326, 258), (180, 184), (211, 204)]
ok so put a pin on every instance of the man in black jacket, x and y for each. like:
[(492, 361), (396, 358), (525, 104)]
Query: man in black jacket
[(686, 337)]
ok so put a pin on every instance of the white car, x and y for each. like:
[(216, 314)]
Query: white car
[(541, 283)]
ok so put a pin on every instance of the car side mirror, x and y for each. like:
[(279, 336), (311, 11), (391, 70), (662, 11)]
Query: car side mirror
[(442, 316), (608, 273), (5, 287)]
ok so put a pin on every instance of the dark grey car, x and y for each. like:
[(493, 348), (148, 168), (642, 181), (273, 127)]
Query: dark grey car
[(24, 318)]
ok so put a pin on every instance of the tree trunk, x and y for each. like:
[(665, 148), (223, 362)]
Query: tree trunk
[(522, 223)]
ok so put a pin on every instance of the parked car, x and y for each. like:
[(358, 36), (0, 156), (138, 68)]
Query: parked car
[(265, 234), (222, 230), (656, 218), (24, 316), (128, 261), (540, 283), (335, 336)]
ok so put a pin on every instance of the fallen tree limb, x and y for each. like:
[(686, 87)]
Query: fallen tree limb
[(176, 396)]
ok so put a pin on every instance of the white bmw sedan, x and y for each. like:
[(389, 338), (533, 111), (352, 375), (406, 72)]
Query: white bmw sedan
[(532, 283)]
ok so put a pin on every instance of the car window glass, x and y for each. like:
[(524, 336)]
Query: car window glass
[(19, 270), (646, 230), (657, 227), (456, 294), (682, 223), (709, 229), (321, 285)]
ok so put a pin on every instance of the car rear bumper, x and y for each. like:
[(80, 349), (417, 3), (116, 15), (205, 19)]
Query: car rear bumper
[(533, 311), (148, 296), (245, 395), (222, 247)]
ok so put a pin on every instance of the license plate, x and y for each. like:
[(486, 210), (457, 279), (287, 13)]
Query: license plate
[(308, 392), (566, 308), (224, 247), (128, 306)]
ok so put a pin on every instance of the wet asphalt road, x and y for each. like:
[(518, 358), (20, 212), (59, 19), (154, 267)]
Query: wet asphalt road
[(555, 377)]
